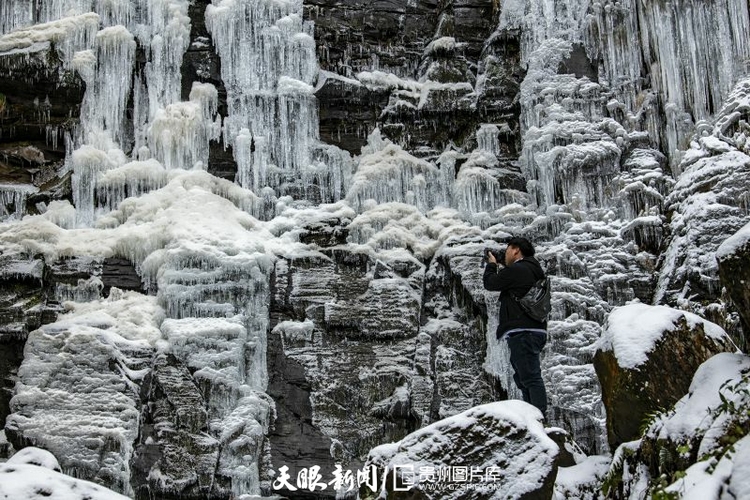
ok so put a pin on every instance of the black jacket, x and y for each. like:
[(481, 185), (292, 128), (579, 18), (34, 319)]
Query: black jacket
[(514, 281)]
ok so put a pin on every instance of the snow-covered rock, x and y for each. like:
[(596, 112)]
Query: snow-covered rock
[(582, 481), (497, 450), (733, 256), (35, 482), (35, 456), (637, 344), (708, 205), (75, 371), (699, 448)]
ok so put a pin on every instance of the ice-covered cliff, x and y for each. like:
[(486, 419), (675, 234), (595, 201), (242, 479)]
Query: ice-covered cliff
[(245, 234)]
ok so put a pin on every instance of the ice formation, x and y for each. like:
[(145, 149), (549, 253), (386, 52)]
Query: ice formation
[(98, 352), (387, 173), (13, 199), (269, 65)]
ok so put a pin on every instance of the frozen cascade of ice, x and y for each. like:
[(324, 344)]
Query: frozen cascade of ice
[(178, 132), (83, 291), (694, 70), (103, 109), (179, 135), (166, 33), (479, 185), (268, 66), (497, 361), (87, 163), (541, 20), (132, 179), (16, 14), (98, 353), (68, 35), (387, 173)]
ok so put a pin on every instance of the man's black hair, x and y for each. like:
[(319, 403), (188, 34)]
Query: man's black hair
[(524, 245)]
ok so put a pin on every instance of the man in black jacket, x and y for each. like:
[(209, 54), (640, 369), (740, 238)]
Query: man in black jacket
[(526, 336)]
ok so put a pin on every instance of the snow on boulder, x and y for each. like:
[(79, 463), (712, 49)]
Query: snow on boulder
[(496, 450), (734, 272), (645, 360), (32, 482), (582, 481), (35, 456), (701, 446)]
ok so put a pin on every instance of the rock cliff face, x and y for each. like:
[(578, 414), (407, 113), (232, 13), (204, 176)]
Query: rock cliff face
[(40, 102), (279, 209)]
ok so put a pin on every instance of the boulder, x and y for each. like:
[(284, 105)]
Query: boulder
[(35, 456), (734, 271), (496, 450), (699, 448), (646, 359), (34, 482)]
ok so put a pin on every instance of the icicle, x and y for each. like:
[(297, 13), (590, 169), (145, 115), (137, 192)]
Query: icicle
[(221, 319), (108, 87), (84, 291), (488, 138), (132, 179), (87, 163), (268, 65), (13, 199), (168, 39), (388, 173), (68, 35)]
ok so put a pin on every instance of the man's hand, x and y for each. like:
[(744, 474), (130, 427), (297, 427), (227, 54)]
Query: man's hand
[(491, 258)]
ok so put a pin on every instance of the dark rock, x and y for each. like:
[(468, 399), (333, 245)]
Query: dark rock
[(74, 278), (201, 63), (579, 64), (120, 273), (174, 456), (348, 112), (325, 233), (295, 441), (568, 448), (355, 36), (325, 353), (709, 423), (40, 103), (22, 297), (631, 393)]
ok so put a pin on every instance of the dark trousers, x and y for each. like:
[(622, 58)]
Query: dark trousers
[(524, 357)]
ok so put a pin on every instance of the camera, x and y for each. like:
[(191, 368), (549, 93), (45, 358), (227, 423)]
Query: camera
[(499, 255)]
